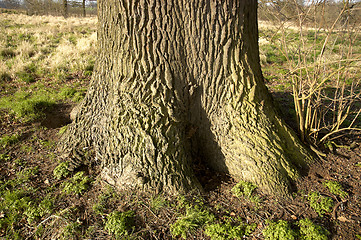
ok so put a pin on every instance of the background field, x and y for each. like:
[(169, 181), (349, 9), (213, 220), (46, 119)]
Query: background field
[(45, 67)]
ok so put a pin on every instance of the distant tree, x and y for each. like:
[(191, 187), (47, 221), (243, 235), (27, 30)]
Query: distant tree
[(84, 12), (11, 3), (65, 8)]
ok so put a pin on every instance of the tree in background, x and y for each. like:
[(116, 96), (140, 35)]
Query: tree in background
[(65, 8)]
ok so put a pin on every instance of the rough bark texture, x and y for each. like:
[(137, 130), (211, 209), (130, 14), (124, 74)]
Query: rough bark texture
[(175, 79)]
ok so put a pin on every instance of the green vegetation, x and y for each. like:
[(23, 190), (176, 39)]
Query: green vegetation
[(158, 202), (61, 171), (77, 184), (305, 229), (320, 203), (336, 188), (280, 230), (7, 140), (120, 223), (245, 189), (194, 217), (28, 107), (311, 231), (229, 230)]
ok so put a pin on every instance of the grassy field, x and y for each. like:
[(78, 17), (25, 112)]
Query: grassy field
[(45, 66)]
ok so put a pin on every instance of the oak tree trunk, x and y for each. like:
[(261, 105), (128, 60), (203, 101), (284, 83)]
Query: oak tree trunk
[(176, 79)]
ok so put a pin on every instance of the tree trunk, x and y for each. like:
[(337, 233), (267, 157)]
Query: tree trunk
[(178, 79), (65, 8), (84, 11)]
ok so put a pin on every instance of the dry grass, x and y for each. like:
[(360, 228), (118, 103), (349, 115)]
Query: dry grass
[(55, 45)]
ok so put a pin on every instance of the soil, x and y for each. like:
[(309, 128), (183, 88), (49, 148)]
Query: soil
[(37, 148)]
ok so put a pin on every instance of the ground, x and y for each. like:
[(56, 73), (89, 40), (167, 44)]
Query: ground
[(39, 200)]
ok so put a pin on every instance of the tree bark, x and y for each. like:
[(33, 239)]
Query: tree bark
[(177, 79)]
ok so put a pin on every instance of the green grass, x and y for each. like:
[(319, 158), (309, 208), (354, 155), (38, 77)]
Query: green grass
[(311, 231), (28, 107), (8, 140), (195, 217)]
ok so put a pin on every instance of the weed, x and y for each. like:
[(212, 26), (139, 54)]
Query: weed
[(358, 164), (62, 130), (311, 231), (119, 224), (12, 205), (71, 229), (245, 189), (158, 203), (37, 210), (25, 76), (7, 140), (320, 203), (5, 77), (336, 188), (280, 230), (61, 170), (194, 218), (4, 157), (227, 230), (7, 53), (77, 184), (71, 94)]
